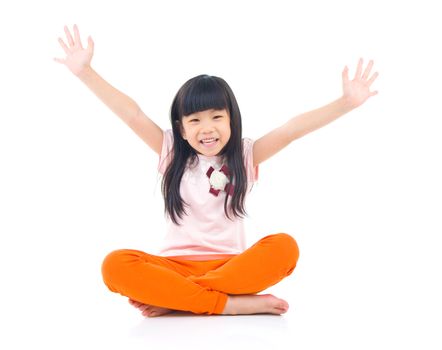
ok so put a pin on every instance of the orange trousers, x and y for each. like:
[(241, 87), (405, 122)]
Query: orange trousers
[(201, 287)]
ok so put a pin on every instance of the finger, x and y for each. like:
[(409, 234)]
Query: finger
[(345, 74), (359, 69), (69, 36), (372, 79), (66, 49), (367, 70), (77, 36), (373, 93)]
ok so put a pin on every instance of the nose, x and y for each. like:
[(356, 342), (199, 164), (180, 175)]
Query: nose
[(207, 127)]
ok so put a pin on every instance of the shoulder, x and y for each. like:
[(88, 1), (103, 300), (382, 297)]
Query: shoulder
[(251, 171), (166, 151), (167, 140), (168, 133), (247, 142), (247, 147)]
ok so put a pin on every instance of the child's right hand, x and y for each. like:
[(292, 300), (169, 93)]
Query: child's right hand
[(77, 58)]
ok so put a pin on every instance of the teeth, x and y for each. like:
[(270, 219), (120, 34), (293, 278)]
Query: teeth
[(208, 140)]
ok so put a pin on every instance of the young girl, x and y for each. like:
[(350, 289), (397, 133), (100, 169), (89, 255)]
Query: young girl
[(208, 169)]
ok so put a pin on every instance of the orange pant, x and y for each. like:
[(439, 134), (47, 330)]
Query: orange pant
[(200, 286)]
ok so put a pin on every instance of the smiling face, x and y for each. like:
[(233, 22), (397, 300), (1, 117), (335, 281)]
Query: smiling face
[(207, 132)]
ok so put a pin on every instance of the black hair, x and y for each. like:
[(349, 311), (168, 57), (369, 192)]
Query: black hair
[(198, 94)]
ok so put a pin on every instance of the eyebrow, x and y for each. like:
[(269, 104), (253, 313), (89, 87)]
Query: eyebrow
[(213, 111)]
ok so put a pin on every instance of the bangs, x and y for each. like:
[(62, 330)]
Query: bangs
[(201, 94)]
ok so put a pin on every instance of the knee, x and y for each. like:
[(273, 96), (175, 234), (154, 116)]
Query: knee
[(113, 266), (287, 248)]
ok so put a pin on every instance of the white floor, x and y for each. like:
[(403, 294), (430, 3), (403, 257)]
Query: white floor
[(328, 310)]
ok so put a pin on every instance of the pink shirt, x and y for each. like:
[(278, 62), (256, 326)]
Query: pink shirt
[(205, 232)]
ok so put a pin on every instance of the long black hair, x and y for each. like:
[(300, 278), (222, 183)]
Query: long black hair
[(198, 94)]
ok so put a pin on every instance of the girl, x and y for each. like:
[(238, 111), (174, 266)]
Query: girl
[(207, 170)]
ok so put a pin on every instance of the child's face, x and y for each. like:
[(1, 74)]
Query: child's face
[(207, 131)]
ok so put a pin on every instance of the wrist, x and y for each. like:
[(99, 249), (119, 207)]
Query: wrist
[(346, 104), (85, 72)]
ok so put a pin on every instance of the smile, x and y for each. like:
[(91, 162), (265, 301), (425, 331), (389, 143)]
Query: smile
[(209, 142)]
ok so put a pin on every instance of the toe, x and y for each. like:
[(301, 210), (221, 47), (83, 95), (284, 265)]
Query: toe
[(134, 303), (144, 308), (137, 304), (146, 312), (283, 305)]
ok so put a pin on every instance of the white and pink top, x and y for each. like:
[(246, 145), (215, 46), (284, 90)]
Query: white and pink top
[(205, 232)]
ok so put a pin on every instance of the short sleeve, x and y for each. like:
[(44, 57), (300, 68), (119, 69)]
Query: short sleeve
[(166, 151), (252, 172)]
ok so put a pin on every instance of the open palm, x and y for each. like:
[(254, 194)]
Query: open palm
[(77, 58), (357, 91)]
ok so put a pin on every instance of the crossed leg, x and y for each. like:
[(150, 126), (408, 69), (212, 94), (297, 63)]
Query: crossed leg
[(227, 287)]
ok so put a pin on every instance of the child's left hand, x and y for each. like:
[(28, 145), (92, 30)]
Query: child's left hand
[(357, 91)]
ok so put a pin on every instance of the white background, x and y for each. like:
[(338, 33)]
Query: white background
[(362, 196)]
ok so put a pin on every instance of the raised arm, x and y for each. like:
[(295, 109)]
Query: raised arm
[(78, 61), (125, 108), (355, 93)]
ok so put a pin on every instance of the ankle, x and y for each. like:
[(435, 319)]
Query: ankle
[(229, 308)]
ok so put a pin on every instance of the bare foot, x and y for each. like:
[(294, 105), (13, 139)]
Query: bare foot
[(149, 310), (255, 304)]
